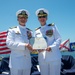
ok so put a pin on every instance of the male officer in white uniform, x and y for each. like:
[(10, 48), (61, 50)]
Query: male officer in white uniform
[(49, 58), (18, 41)]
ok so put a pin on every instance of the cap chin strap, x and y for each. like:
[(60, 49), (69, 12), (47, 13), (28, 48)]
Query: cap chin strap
[(23, 16), (42, 14)]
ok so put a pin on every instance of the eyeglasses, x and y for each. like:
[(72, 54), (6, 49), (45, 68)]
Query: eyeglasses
[(42, 17)]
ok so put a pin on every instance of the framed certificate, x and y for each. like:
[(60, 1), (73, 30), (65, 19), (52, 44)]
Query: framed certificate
[(38, 42)]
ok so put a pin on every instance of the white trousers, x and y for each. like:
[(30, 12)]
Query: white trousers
[(50, 68), (20, 72)]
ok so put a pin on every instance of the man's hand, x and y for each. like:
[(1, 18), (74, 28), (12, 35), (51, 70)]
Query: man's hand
[(28, 46)]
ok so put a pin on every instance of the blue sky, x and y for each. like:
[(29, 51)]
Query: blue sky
[(61, 12)]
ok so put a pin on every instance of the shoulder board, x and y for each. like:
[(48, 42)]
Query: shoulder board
[(28, 29), (52, 24), (37, 28), (13, 27)]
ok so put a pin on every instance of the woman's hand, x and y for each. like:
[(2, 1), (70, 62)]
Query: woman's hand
[(48, 49)]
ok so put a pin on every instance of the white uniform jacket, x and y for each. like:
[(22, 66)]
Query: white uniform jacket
[(20, 55), (52, 36)]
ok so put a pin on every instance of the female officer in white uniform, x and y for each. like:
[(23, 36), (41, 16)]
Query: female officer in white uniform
[(50, 58), (18, 41)]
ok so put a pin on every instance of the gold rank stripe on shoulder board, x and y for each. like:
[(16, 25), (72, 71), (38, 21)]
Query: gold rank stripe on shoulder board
[(13, 27), (37, 28), (28, 29), (52, 24)]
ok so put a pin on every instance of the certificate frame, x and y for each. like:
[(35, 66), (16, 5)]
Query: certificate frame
[(38, 43)]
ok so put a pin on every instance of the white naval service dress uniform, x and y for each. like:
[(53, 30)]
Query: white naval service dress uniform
[(20, 60), (49, 62)]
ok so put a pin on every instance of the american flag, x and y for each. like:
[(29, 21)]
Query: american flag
[(3, 47)]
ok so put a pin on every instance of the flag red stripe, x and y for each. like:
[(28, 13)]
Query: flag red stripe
[(65, 42), (3, 36), (4, 48), (62, 46), (66, 47), (3, 40), (3, 32), (3, 44)]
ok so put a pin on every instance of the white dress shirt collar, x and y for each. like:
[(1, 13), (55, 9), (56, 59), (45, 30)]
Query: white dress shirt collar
[(23, 27), (43, 26)]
